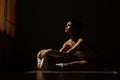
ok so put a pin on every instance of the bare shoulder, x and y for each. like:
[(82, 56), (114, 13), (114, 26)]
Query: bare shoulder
[(69, 40), (66, 42), (80, 40)]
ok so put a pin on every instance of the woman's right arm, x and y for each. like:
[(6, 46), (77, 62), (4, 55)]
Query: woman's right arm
[(65, 47), (62, 52), (56, 53)]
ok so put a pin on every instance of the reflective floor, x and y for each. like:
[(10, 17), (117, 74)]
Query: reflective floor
[(59, 75), (71, 75)]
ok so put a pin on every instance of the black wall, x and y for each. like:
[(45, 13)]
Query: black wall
[(40, 25)]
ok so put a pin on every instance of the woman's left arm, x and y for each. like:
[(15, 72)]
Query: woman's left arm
[(67, 53), (75, 47)]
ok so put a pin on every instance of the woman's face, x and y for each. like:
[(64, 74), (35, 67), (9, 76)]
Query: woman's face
[(68, 26)]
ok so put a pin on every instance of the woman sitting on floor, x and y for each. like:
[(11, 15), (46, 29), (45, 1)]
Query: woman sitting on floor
[(74, 54)]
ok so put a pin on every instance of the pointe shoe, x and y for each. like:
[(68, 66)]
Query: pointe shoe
[(40, 63)]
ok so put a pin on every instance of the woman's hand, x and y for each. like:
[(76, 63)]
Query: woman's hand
[(42, 53)]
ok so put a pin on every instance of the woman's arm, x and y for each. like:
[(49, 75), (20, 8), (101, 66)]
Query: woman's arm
[(53, 52), (42, 53), (58, 54), (65, 47), (65, 51), (62, 52), (75, 47)]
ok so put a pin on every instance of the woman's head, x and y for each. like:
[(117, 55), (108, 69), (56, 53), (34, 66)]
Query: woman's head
[(73, 27), (68, 27)]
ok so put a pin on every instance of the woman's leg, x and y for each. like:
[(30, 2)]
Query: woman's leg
[(70, 63), (56, 63)]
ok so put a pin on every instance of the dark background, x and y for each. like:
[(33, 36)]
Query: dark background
[(40, 25)]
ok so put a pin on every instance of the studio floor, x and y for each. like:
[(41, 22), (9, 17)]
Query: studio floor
[(59, 75), (71, 75)]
